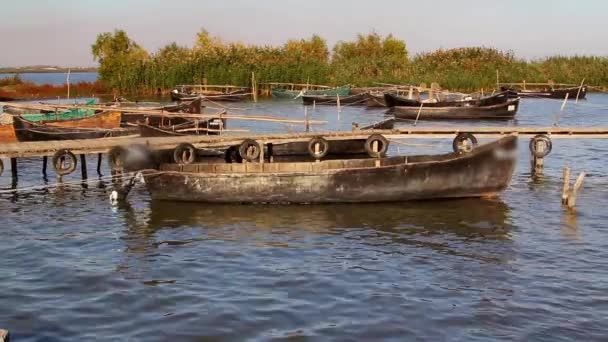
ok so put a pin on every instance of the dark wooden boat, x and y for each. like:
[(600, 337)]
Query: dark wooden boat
[(156, 120), (26, 130), (189, 127), (358, 99), (395, 100), (485, 171), (504, 111), (549, 93), (375, 100), (211, 93)]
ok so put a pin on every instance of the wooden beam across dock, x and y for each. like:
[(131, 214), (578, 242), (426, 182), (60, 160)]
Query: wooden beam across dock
[(94, 146)]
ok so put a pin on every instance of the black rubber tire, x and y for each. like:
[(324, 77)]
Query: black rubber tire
[(461, 137), (116, 158), (246, 152), (184, 153), (369, 144), (548, 144), (58, 165), (1, 167), (323, 150)]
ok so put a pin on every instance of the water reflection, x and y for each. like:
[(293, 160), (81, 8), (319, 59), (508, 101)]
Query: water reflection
[(466, 218)]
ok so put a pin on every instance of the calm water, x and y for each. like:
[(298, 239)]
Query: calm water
[(56, 78), (73, 268)]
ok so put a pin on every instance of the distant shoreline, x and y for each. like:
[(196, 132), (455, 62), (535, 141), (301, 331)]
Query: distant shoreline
[(44, 70)]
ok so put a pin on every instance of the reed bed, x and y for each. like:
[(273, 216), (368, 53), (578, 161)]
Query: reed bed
[(128, 68)]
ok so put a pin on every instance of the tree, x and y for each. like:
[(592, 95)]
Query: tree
[(117, 55)]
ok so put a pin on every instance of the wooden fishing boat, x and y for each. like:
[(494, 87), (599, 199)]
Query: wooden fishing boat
[(394, 100), (26, 130), (375, 100), (485, 171), (504, 111), (156, 120), (37, 114), (189, 127), (7, 134), (359, 99), (548, 92), (210, 93)]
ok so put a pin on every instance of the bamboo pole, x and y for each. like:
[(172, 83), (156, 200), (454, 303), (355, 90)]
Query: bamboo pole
[(418, 115), (578, 93), (67, 81)]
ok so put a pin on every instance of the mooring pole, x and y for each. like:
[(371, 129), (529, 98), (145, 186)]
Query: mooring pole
[(14, 168), (537, 163), (83, 167), (44, 162), (99, 156)]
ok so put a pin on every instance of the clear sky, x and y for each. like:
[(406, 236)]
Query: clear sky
[(60, 32)]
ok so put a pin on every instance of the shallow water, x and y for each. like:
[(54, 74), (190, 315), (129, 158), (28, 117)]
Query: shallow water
[(519, 267)]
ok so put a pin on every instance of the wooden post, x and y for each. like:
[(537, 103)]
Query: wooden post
[(67, 81), (410, 94), (338, 103), (537, 164), (574, 193), (566, 188), (254, 90), (83, 167), (44, 162), (314, 104), (497, 80), (262, 153), (99, 163), (524, 84), (307, 124), (14, 168), (578, 93)]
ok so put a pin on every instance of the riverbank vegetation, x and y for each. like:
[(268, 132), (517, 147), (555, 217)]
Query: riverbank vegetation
[(15, 88), (128, 68)]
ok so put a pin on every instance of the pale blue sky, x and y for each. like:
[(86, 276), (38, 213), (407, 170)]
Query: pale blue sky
[(61, 31)]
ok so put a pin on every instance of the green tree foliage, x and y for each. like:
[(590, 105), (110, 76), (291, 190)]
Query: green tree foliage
[(119, 57)]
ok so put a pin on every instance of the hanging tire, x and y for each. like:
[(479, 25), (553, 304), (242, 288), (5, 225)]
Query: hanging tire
[(250, 150), (541, 138), (116, 158), (322, 150), (184, 153), (59, 162), (381, 145), (1, 167), (464, 142)]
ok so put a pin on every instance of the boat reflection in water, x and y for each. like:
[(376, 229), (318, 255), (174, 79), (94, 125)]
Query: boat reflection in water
[(488, 218)]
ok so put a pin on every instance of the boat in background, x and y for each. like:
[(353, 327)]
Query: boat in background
[(213, 93), (294, 90), (359, 99), (548, 90), (100, 125), (483, 172)]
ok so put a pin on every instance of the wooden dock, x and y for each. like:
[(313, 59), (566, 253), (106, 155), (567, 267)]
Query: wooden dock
[(94, 146)]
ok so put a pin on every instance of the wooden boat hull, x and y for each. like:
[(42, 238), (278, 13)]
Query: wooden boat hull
[(486, 171), (235, 96), (104, 120), (375, 100), (208, 127), (359, 99), (572, 93), (7, 134), (32, 131), (395, 100), (506, 111)]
